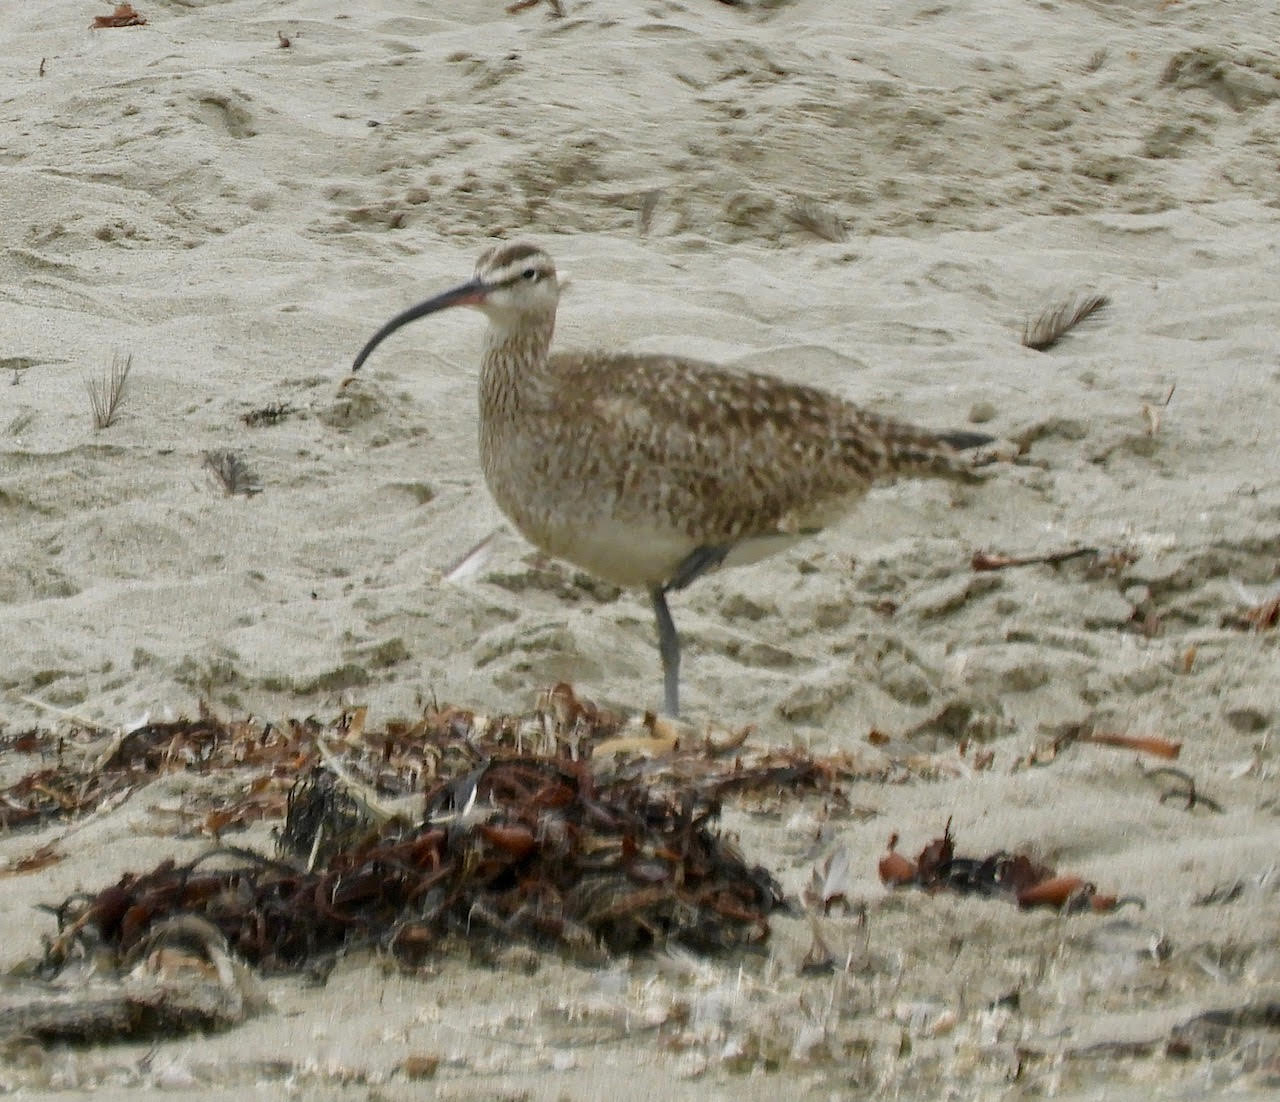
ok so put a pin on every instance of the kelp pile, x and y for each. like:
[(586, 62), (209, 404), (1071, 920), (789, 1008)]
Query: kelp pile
[(568, 827), (520, 849)]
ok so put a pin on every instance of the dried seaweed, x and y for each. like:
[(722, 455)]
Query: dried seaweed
[(403, 758), (123, 16), (1015, 876), (570, 826), (521, 848), (1050, 325)]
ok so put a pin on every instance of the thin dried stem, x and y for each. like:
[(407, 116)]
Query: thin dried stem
[(1045, 330), (107, 393)]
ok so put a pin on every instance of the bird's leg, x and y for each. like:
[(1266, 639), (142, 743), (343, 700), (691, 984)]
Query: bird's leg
[(698, 562), (669, 649)]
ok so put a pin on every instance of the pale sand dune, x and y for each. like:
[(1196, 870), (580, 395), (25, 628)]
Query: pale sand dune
[(240, 217)]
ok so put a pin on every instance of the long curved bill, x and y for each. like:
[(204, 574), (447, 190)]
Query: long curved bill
[(471, 293)]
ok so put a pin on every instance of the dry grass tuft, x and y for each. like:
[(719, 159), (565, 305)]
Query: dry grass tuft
[(809, 214), (1047, 328), (232, 473), (107, 393)]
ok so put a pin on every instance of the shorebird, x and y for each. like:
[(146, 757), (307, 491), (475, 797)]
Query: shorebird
[(650, 471)]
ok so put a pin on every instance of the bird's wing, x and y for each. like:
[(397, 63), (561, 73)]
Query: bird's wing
[(748, 454)]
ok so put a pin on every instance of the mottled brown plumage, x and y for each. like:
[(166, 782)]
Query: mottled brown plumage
[(647, 471)]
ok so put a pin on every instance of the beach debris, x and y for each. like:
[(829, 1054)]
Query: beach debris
[(1048, 327), (571, 826), (984, 560), (1008, 875), (39, 858), (232, 473), (1261, 613), (820, 220), (556, 7), (107, 393), (1151, 411), (271, 414), (81, 769), (521, 848), (1069, 733), (1146, 744), (833, 885), (283, 41), (123, 16), (179, 977), (473, 560), (1184, 788)]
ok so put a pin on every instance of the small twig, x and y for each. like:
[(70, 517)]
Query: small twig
[(984, 561), (75, 718), (1045, 330), (1190, 794), (107, 393), (1148, 744)]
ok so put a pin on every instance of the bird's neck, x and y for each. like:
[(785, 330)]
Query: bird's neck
[(513, 369)]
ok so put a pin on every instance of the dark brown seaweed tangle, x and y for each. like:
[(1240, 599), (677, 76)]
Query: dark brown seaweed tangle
[(521, 848), (1052, 323)]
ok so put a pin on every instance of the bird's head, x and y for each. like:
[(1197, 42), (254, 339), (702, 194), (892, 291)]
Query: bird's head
[(513, 285)]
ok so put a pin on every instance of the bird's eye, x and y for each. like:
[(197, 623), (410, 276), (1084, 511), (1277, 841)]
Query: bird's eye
[(529, 274)]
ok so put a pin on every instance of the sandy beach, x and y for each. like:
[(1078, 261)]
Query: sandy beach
[(236, 194)]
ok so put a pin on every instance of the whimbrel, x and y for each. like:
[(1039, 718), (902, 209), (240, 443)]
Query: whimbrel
[(649, 471)]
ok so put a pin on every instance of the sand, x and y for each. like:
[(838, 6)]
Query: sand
[(238, 216)]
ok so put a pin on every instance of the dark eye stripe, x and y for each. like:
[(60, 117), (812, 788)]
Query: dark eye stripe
[(520, 277)]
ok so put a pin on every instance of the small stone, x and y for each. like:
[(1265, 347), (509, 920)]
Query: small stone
[(1247, 720), (420, 1066), (982, 412)]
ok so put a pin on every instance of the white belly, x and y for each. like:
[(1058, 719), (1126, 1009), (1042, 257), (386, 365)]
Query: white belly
[(641, 557)]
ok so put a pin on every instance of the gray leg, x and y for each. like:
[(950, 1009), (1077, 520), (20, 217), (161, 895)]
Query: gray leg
[(669, 649), (695, 564), (698, 562)]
